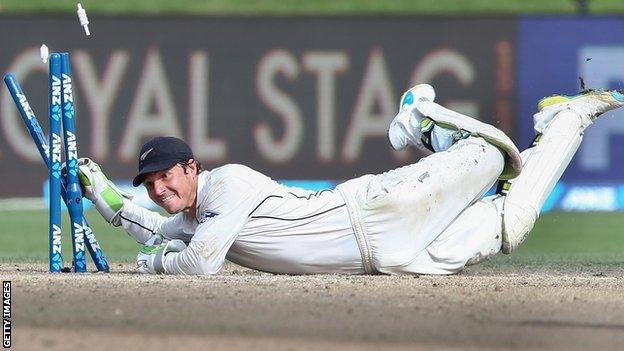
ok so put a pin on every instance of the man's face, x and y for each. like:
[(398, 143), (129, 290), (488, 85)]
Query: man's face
[(173, 189)]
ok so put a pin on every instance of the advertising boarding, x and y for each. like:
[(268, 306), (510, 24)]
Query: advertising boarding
[(558, 55), (295, 98)]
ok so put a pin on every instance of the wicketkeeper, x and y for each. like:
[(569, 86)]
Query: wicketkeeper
[(429, 217)]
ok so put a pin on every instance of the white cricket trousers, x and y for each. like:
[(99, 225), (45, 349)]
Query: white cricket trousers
[(428, 217)]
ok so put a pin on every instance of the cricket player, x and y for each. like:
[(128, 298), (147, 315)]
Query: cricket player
[(429, 217)]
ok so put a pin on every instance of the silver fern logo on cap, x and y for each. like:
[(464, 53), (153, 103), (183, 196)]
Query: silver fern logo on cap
[(144, 155)]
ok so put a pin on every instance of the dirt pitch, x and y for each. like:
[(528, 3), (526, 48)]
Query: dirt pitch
[(487, 307)]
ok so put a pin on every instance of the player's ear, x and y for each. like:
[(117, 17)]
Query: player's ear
[(192, 167)]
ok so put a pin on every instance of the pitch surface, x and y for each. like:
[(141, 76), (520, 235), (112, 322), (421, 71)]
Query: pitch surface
[(491, 306)]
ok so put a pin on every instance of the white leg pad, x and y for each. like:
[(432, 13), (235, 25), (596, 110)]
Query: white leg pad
[(542, 168), (452, 120)]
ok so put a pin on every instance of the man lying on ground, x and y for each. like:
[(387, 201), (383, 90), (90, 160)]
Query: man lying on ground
[(429, 217)]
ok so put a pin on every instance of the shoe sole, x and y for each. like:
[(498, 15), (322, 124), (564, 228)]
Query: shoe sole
[(605, 96)]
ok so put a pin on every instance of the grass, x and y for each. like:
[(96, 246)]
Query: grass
[(311, 7), (24, 238), (558, 238), (566, 238), (585, 232)]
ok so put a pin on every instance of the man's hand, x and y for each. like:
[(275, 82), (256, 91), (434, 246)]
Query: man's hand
[(106, 196), (150, 258)]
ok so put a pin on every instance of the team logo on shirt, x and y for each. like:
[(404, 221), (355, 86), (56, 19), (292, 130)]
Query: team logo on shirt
[(206, 215)]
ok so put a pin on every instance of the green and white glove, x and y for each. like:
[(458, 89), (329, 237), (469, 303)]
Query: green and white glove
[(106, 196), (150, 258)]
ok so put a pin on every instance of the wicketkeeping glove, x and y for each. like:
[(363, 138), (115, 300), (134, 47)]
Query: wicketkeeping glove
[(150, 258), (106, 196)]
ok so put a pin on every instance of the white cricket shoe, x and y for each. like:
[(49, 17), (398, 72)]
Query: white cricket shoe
[(405, 128), (559, 123), (426, 125), (588, 104)]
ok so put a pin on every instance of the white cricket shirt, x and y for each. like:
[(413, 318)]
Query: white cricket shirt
[(250, 219)]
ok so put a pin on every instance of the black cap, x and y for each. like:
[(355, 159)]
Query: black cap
[(161, 153)]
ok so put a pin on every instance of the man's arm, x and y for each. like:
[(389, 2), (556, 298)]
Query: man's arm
[(206, 252), (221, 216), (142, 224)]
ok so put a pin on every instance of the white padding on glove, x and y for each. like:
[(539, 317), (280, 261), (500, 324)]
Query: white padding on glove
[(106, 196), (150, 258)]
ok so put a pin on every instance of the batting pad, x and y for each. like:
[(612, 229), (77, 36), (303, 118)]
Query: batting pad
[(543, 167)]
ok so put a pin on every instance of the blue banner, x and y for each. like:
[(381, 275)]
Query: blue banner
[(552, 54)]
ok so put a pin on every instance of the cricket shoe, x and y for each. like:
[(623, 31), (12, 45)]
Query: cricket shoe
[(559, 123), (426, 125), (589, 104), (405, 129)]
